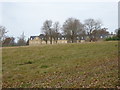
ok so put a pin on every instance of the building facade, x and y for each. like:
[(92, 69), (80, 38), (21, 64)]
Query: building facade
[(40, 40)]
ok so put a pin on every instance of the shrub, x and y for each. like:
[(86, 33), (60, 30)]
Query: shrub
[(115, 38)]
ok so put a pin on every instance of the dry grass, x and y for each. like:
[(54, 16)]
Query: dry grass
[(66, 65)]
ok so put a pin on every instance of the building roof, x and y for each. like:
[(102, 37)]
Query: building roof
[(41, 36), (32, 37)]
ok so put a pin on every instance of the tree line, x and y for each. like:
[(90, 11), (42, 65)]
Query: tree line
[(72, 29), (10, 41)]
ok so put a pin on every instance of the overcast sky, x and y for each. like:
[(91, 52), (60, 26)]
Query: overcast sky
[(28, 17)]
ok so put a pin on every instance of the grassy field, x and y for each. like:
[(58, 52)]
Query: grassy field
[(93, 65)]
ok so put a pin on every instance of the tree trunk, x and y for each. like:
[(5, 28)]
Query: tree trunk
[(72, 37), (50, 39), (46, 41), (50, 36), (90, 36), (56, 41)]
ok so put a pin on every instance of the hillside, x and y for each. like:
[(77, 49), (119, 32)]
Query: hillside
[(66, 65)]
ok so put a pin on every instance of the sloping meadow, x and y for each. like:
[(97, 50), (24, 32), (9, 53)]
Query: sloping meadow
[(84, 65)]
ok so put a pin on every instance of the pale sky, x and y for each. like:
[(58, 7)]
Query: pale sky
[(119, 15), (28, 17)]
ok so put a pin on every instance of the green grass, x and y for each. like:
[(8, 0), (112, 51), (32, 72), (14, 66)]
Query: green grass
[(86, 65)]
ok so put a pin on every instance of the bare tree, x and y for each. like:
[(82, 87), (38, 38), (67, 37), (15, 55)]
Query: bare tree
[(81, 33), (71, 28), (9, 41), (56, 28), (91, 25), (12, 43), (2, 33), (47, 30), (98, 33), (118, 33), (21, 40)]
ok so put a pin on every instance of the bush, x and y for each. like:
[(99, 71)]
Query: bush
[(115, 38)]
